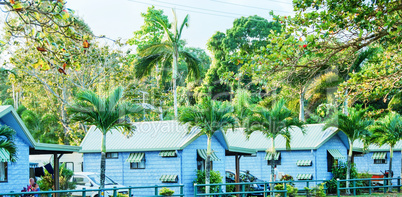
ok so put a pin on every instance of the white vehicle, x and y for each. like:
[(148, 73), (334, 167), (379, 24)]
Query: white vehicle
[(91, 180)]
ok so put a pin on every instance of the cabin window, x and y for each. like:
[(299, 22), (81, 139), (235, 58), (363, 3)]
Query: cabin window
[(138, 165), (112, 155), (69, 165), (3, 172), (274, 161), (379, 157), (201, 163), (380, 161), (331, 161)]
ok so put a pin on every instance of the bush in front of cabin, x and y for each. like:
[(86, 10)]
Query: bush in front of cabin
[(215, 178), (166, 192), (339, 172), (291, 190), (47, 181)]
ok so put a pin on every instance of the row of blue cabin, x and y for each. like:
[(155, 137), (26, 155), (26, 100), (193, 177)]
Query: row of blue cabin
[(167, 153)]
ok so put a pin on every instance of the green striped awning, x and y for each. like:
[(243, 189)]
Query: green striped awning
[(304, 176), (269, 155), (379, 155), (336, 154), (168, 178), (169, 153), (4, 155), (304, 162), (135, 157), (203, 154)]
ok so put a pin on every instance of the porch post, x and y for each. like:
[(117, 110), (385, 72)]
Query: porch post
[(56, 172), (237, 164)]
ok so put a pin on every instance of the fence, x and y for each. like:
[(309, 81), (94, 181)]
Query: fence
[(107, 192), (217, 188), (370, 186)]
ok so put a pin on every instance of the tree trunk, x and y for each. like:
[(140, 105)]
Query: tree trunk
[(208, 166), (103, 162), (64, 117), (301, 102), (348, 166), (273, 166), (345, 104), (391, 155), (175, 56)]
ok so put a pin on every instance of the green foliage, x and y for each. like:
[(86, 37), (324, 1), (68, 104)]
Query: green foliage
[(317, 191), (47, 180), (166, 192), (387, 130), (339, 172), (7, 141), (215, 178), (291, 189), (287, 177), (209, 115), (122, 195), (396, 103)]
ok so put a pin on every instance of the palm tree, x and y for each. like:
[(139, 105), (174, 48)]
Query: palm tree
[(241, 104), (106, 113), (167, 53), (209, 116), (355, 126), (388, 130), (7, 141), (274, 122)]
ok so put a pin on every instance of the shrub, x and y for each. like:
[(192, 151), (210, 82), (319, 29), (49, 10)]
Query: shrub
[(291, 191), (339, 172), (65, 174), (287, 177), (317, 191), (215, 178), (122, 195), (166, 192)]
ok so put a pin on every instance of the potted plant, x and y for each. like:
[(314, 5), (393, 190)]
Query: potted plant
[(166, 192)]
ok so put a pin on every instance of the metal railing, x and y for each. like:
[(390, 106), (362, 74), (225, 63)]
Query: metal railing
[(129, 191), (217, 190), (370, 186)]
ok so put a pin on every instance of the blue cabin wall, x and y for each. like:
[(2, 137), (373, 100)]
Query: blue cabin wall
[(119, 170), (184, 165), (366, 164), (18, 172), (259, 167), (321, 156), (189, 166)]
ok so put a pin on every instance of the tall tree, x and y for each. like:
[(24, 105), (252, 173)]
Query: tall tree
[(210, 116), (355, 126), (388, 130), (7, 141), (274, 122), (231, 50), (167, 53), (106, 113)]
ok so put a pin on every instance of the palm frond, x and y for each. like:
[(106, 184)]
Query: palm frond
[(193, 64), (143, 66), (184, 23), (7, 141)]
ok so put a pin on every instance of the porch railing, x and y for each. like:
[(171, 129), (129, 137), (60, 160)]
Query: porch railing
[(387, 183), (129, 191)]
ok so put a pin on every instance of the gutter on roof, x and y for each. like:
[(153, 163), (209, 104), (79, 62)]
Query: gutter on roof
[(56, 147), (131, 150), (242, 150)]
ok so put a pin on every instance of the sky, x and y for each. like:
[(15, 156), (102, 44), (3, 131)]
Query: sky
[(120, 18)]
